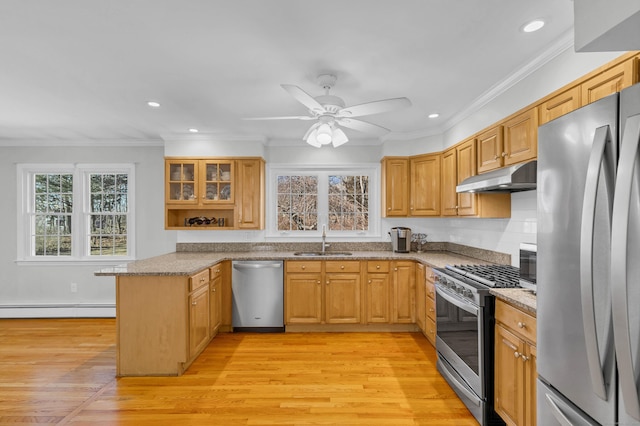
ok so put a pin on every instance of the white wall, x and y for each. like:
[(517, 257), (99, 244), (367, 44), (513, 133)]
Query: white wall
[(46, 290)]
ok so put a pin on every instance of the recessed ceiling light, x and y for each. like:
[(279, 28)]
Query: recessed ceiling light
[(193, 130), (532, 26), (434, 115), (153, 104)]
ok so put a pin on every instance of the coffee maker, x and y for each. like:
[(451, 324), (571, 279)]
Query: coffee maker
[(401, 239)]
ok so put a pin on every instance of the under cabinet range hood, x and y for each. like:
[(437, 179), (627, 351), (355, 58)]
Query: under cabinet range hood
[(519, 177)]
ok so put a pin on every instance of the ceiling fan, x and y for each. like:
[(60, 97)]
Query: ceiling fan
[(330, 113)]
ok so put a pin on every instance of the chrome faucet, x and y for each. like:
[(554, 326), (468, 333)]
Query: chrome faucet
[(324, 239)]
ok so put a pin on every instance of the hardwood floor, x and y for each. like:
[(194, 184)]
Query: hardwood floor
[(62, 371)]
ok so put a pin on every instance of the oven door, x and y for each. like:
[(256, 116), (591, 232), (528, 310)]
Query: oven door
[(460, 338)]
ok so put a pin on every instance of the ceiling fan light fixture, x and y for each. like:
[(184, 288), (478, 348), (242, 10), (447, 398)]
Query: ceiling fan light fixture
[(324, 134), (312, 139), (339, 138)]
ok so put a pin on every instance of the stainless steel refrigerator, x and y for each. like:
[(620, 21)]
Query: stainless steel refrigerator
[(588, 304)]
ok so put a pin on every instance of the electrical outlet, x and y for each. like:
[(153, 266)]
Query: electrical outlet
[(74, 287)]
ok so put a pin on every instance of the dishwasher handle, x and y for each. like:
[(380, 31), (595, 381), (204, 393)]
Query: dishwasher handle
[(257, 265)]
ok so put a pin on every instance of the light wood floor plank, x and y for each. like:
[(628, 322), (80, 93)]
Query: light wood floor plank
[(62, 371)]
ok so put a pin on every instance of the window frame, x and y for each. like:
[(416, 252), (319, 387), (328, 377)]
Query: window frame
[(80, 217), (323, 172)]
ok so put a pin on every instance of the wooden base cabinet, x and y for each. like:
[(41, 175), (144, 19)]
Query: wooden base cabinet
[(430, 292), (421, 298), (404, 290), (342, 292), (162, 323), (378, 294), (303, 292), (215, 300), (515, 365)]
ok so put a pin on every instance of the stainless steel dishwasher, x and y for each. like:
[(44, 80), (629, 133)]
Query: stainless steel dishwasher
[(258, 295)]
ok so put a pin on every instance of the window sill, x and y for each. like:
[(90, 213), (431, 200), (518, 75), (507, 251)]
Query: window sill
[(74, 262)]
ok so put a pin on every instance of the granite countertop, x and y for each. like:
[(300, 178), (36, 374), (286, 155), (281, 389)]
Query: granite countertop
[(519, 297), (192, 262), (188, 263)]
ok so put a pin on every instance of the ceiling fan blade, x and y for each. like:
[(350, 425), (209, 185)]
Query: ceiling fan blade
[(375, 107), (293, 117), (338, 137), (303, 97), (363, 126), (311, 129)]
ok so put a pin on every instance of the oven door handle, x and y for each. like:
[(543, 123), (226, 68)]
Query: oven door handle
[(462, 387), (460, 303)]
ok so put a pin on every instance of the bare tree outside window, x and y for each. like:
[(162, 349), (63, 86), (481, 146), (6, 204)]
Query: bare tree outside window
[(343, 199), (348, 203), (297, 203), (53, 210), (109, 208)]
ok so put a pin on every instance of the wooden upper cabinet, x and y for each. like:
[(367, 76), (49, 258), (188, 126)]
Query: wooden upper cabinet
[(513, 141), (449, 182), (520, 137), (250, 193), (559, 105), (490, 149), (610, 81), (425, 185), (395, 187), (466, 167), (214, 193)]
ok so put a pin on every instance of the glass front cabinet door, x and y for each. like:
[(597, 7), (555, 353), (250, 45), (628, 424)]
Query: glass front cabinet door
[(181, 181), (217, 181)]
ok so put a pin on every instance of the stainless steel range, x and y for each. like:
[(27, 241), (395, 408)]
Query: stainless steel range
[(465, 331)]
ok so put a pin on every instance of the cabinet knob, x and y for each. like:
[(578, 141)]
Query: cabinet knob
[(304, 267), (218, 271), (389, 208), (496, 157), (341, 266), (524, 358), (201, 280), (395, 269), (213, 289), (504, 154), (377, 266), (431, 310), (327, 281), (369, 281), (521, 325), (194, 303), (318, 282)]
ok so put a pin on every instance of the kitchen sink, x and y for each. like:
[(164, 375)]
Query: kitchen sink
[(319, 253)]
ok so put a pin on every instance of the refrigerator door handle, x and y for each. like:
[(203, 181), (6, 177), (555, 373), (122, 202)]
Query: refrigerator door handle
[(627, 169), (599, 156)]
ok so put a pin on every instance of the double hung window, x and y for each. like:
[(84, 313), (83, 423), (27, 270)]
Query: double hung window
[(75, 212), (342, 200)]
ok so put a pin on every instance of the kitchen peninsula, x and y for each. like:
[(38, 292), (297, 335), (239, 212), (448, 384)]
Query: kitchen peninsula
[(169, 307)]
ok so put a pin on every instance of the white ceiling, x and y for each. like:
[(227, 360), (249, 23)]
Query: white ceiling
[(83, 70)]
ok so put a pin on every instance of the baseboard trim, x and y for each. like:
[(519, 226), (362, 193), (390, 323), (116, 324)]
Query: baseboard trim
[(58, 311)]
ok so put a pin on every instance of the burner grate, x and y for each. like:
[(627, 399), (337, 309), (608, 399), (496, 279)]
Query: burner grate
[(499, 276)]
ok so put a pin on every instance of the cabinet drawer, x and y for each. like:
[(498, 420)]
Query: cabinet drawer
[(198, 280), (431, 277), (303, 266), (342, 266), (519, 322), (431, 290), (431, 331), (431, 308), (378, 266), (216, 270)]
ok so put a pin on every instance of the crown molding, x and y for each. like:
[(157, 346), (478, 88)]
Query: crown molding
[(81, 142), (563, 43)]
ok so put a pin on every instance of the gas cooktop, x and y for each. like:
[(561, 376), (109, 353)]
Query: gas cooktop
[(497, 276)]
